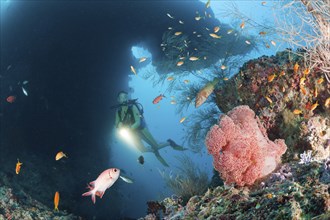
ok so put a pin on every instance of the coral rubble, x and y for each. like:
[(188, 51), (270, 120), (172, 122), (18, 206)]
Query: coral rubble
[(303, 195)]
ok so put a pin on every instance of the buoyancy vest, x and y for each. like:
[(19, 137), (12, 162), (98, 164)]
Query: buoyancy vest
[(128, 118)]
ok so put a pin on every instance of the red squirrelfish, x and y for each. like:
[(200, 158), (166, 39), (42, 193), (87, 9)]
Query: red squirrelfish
[(158, 98), (104, 181)]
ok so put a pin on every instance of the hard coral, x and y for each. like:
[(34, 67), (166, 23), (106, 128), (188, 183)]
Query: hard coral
[(240, 147), (290, 197), (318, 135)]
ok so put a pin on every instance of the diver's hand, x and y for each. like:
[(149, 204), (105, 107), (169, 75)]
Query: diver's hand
[(120, 125)]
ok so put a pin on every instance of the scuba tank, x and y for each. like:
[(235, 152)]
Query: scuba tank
[(130, 102)]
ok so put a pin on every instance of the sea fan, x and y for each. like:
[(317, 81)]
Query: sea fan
[(189, 181)]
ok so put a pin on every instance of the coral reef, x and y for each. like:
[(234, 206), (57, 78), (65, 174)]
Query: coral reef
[(306, 157), (302, 196), (284, 173), (318, 136), (17, 204), (289, 98), (240, 147), (325, 178), (155, 208)]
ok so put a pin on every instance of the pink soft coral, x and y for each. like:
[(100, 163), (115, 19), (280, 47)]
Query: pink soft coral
[(240, 147)]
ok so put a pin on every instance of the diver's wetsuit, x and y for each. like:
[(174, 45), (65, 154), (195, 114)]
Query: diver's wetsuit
[(128, 119)]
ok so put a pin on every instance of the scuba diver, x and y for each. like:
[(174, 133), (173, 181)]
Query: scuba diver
[(131, 125)]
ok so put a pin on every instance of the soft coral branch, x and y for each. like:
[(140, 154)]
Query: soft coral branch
[(240, 147)]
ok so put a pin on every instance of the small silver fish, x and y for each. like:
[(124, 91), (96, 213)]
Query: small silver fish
[(170, 16), (126, 179), (24, 91)]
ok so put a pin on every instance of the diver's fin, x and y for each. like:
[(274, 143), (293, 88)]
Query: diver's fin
[(175, 146), (161, 159), (180, 148)]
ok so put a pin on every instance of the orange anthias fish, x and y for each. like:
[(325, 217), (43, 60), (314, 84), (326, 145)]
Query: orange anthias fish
[(271, 77), (158, 98), (327, 102), (315, 92), (306, 71), (297, 111), (303, 90), (182, 119), (302, 81), (295, 68), (142, 59), (242, 25), (59, 155), (11, 99), (205, 92), (193, 58), (320, 81), (215, 35), (269, 99), (56, 201), (18, 166), (314, 106), (308, 106)]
